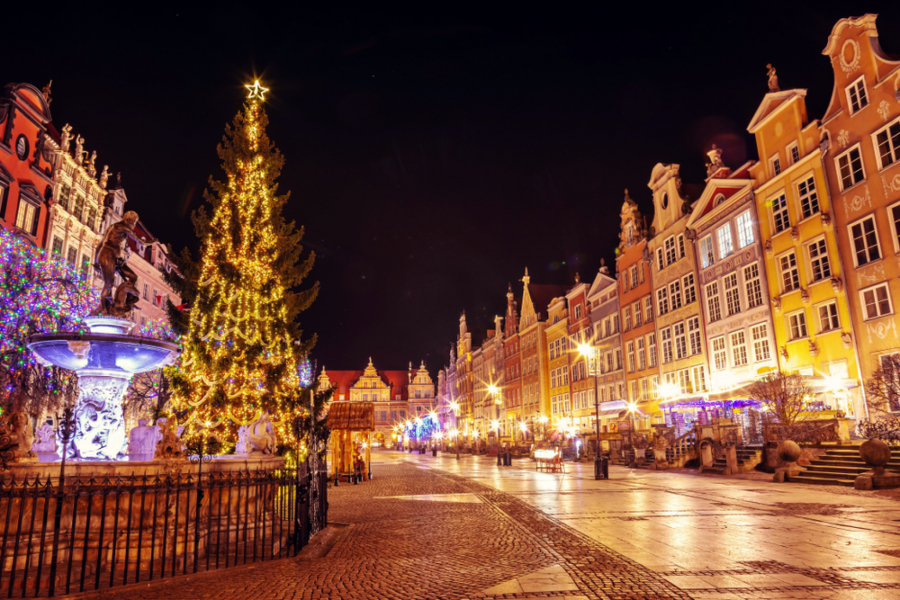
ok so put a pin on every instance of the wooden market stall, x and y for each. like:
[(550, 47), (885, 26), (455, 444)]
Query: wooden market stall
[(352, 424)]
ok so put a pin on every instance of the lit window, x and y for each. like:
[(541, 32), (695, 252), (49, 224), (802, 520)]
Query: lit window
[(797, 325), (634, 280), (26, 217), (809, 200), (738, 348), (857, 96), (754, 287), (850, 168), (865, 241), (790, 275), (712, 302), (724, 236), (818, 260), (744, 229), (648, 309), (630, 347), (780, 213), (760, 336), (719, 355), (876, 301), (651, 349), (887, 142), (641, 354), (57, 245), (627, 312), (706, 252), (637, 313), (684, 381), (699, 374), (828, 317), (732, 294)]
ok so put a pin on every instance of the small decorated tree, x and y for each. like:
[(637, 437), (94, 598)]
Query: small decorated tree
[(785, 397), (39, 293), (883, 396)]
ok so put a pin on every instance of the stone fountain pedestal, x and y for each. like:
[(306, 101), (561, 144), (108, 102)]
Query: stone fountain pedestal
[(105, 359)]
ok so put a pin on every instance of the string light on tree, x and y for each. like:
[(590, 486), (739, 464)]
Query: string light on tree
[(240, 357)]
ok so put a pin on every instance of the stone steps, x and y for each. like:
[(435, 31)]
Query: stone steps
[(838, 466)]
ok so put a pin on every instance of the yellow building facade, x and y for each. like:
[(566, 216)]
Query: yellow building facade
[(804, 267), (557, 341)]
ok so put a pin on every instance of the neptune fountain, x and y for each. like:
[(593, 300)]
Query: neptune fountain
[(106, 357)]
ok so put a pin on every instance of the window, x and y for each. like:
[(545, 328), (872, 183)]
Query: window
[(732, 294), (648, 309), (78, 211), (754, 288), (666, 336), (615, 324), (857, 97), (630, 347), (699, 374), (738, 348), (146, 292), (637, 313), (57, 245), (641, 355), (22, 147), (651, 349), (627, 311), (780, 213), (680, 341), (618, 354), (565, 374), (694, 333), (634, 391), (719, 356), (706, 251), (745, 229), (887, 144), (654, 387), (690, 293), (634, 281), (640, 272), (577, 311), (675, 294), (684, 381), (553, 379), (790, 275), (850, 168), (662, 301), (828, 317), (895, 215), (670, 250), (724, 236), (660, 265), (775, 163), (72, 255), (876, 301), (809, 200), (712, 302), (793, 153), (26, 217), (865, 241), (681, 251), (818, 260), (760, 336), (797, 325)]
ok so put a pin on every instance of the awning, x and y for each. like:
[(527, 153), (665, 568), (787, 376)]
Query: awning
[(606, 414)]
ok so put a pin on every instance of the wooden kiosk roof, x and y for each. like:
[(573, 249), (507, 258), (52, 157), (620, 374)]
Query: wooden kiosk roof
[(351, 416)]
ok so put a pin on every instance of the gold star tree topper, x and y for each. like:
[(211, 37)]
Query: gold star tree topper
[(257, 91)]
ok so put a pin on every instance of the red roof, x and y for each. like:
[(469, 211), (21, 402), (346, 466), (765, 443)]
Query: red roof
[(541, 295), (398, 381)]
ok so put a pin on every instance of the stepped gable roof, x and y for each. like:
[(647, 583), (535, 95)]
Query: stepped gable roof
[(543, 293)]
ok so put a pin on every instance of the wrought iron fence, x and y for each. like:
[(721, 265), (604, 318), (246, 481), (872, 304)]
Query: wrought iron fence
[(139, 528)]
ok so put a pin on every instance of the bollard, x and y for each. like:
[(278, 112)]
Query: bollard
[(605, 462), (434, 452)]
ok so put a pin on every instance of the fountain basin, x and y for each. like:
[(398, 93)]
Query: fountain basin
[(107, 351)]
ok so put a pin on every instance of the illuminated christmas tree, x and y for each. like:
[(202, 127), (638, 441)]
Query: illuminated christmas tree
[(242, 347)]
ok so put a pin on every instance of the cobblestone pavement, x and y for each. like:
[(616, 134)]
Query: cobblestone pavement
[(440, 528)]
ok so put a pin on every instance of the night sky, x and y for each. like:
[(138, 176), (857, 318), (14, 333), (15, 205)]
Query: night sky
[(431, 154)]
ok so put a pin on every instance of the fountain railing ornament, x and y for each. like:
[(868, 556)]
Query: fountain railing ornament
[(107, 356)]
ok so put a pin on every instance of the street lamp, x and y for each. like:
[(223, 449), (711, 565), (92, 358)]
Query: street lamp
[(543, 421), (523, 427), (592, 355), (495, 425), (454, 433)]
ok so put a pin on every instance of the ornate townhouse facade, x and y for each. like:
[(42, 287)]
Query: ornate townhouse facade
[(26, 161), (512, 356), (861, 153), (582, 387), (679, 322), (557, 340), (606, 340), (806, 270)]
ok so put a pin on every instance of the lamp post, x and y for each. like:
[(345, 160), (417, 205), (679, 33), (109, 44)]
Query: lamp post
[(454, 433), (454, 406), (593, 358), (495, 425), (543, 421), (497, 394)]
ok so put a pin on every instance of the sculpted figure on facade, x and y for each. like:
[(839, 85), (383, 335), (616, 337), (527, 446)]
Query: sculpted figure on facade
[(79, 149), (104, 176), (91, 166), (262, 436), (66, 138), (16, 438), (773, 79), (715, 160)]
